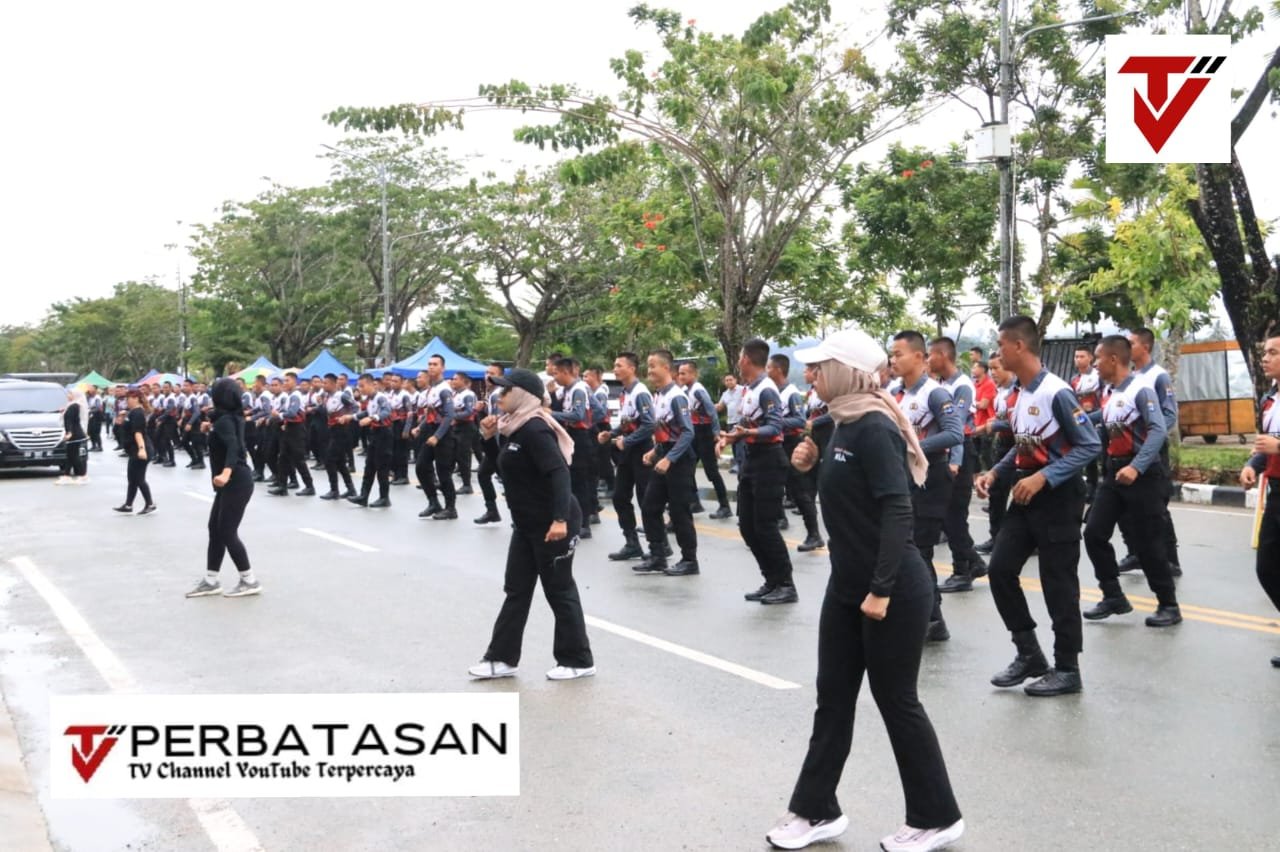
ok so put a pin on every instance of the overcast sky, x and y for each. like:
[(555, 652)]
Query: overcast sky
[(125, 119)]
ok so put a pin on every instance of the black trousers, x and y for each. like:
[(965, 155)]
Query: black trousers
[(704, 443), (580, 467), (293, 453), (604, 460), (270, 448), (632, 479), (1268, 559), (77, 462), (225, 515), (318, 438), (1050, 524), (1168, 531), (888, 652), (529, 559), (440, 460), (1142, 503), (400, 450), (196, 444), (671, 489), (137, 476), (354, 433), (761, 484), (465, 434), (798, 486), (998, 493), (929, 509), (95, 430), (337, 449), (377, 462), (166, 437), (251, 445), (488, 469), (956, 524)]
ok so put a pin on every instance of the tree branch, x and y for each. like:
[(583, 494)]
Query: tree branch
[(1257, 97)]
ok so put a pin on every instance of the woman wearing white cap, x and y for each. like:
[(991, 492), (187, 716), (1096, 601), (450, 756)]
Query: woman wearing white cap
[(876, 608)]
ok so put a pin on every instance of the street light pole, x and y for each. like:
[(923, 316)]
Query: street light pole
[(1008, 52)]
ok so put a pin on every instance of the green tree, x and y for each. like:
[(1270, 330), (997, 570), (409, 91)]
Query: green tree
[(20, 350), (761, 126), (124, 335)]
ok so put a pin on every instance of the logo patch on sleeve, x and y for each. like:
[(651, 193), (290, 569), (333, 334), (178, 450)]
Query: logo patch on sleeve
[(1080, 417)]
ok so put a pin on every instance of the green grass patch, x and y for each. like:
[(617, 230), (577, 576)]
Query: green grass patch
[(1229, 458)]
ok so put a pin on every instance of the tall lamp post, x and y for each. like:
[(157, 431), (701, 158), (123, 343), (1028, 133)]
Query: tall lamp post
[(1003, 148), (381, 168), (182, 310)]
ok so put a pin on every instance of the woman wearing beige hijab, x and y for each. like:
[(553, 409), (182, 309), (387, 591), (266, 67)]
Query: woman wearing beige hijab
[(876, 608), (532, 457)]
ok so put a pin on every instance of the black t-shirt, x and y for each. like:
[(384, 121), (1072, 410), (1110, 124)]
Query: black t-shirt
[(536, 478), (135, 423), (863, 475), (71, 422), (226, 442)]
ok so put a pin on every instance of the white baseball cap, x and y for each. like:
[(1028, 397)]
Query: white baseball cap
[(851, 347)]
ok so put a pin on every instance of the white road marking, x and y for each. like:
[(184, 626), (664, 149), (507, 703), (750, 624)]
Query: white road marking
[(226, 830), (337, 539), (690, 654), (205, 498)]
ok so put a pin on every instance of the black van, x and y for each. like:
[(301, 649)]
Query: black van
[(31, 424)]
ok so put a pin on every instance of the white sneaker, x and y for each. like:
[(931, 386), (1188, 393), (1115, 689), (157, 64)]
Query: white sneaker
[(487, 669), (910, 839), (81, 480), (796, 832), (567, 673), (62, 480)]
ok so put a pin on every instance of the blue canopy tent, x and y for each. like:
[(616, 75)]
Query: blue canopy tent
[(453, 362), (323, 363)]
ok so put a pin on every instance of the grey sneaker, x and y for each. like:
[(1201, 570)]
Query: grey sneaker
[(243, 589), (204, 589), (796, 832), (910, 839)]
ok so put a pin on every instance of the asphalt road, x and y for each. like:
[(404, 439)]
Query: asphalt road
[(1175, 743)]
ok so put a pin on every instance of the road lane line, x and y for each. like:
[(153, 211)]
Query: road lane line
[(337, 539), (204, 498), (224, 827), (690, 654)]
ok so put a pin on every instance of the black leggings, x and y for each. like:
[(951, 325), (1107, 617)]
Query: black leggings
[(440, 460), (224, 520), (888, 653), (137, 481)]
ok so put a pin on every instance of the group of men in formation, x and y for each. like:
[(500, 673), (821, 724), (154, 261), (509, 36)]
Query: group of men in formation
[(1056, 455)]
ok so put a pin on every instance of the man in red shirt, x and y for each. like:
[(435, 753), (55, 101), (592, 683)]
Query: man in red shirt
[(984, 404)]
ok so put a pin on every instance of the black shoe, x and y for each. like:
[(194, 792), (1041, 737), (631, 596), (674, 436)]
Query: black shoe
[(490, 516), (1107, 607), (977, 568), (1055, 683), (1175, 570), (1129, 563), (683, 568), (432, 508), (309, 491), (811, 542), (937, 632), (585, 533), (329, 495), (697, 509), (651, 565), (400, 480), (788, 504), (1275, 661), (257, 477), (190, 465), (1023, 667), (147, 510), (449, 514), (781, 595), (466, 489), (317, 466), (380, 503), (124, 510), (293, 486), (278, 492), (986, 547), (351, 494), (593, 519), (1165, 616), (360, 500), (198, 466), (630, 550), (784, 524), (721, 513), (169, 464), (670, 527), (758, 593), (956, 583)]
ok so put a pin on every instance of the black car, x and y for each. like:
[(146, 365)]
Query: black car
[(31, 424)]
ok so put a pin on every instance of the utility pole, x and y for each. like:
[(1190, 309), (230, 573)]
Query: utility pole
[(182, 310)]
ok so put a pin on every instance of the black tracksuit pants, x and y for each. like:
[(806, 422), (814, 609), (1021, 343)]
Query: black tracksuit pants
[(377, 462), (1142, 504), (400, 451), (95, 430), (671, 489), (440, 460), (604, 459), (531, 558), (761, 484), (798, 486), (929, 508), (337, 449), (229, 503), (704, 443), (956, 524), (998, 493), (1050, 524), (888, 652), (466, 435), (580, 481), (632, 478), (293, 454), (1267, 563)]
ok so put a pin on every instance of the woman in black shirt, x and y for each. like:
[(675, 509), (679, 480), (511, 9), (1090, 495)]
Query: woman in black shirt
[(232, 486), (73, 416), (877, 605), (533, 461), (138, 446)]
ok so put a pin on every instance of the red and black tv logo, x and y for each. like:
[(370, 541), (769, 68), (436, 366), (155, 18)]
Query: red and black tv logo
[(87, 755), (1157, 116)]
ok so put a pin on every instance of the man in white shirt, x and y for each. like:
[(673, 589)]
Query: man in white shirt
[(730, 405)]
